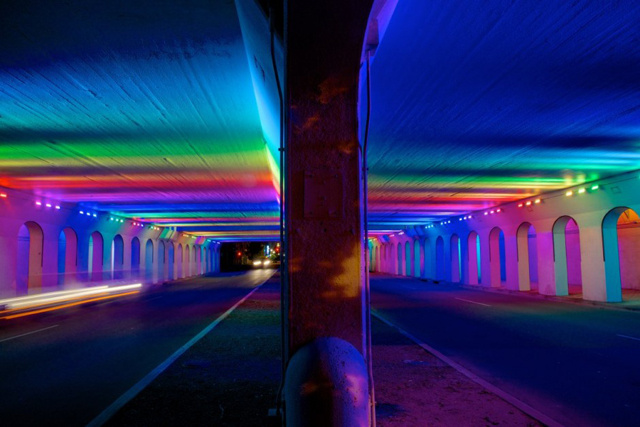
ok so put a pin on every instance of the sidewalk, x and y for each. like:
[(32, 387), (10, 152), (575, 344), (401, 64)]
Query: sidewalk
[(630, 297), (231, 378)]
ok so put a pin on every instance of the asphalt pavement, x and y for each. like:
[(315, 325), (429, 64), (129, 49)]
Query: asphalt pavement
[(64, 367), (579, 365)]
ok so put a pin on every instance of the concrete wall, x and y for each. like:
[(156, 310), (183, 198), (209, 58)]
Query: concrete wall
[(18, 208), (591, 249)]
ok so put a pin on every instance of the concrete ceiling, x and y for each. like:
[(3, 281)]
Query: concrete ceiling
[(476, 103), (140, 108), (147, 109)]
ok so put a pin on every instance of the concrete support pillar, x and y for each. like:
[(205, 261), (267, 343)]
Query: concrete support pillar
[(595, 274), (327, 383), (511, 258)]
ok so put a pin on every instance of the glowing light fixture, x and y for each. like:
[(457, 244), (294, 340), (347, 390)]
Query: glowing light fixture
[(595, 187), (569, 193), (95, 216), (81, 213), (528, 203), (58, 207), (498, 210), (520, 205), (39, 203), (3, 195), (582, 190), (48, 205), (537, 201)]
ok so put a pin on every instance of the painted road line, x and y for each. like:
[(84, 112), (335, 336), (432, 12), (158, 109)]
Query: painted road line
[(472, 302), (29, 333), (527, 409), (148, 379), (628, 337)]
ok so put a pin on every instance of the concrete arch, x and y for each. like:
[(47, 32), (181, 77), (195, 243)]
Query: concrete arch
[(456, 273), (194, 261), (407, 258), (473, 257), (187, 263), (399, 259), (417, 258), (180, 262), (96, 256), (566, 254), (621, 241), (148, 260), (117, 257), (171, 261), (30, 257), (161, 261), (67, 255), (497, 257), (427, 259), (440, 267), (135, 257), (527, 257)]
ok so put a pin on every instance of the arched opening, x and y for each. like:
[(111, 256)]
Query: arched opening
[(96, 256), (194, 262), (29, 261), (180, 261), (117, 257), (377, 259), (527, 257), (439, 258), (567, 261), (497, 257), (187, 263), (171, 261), (407, 259), (161, 261), (473, 249), (135, 257), (416, 259), (456, 270), (621, 243), (67, 255), (427, 258), (399, 250), (148, 260)]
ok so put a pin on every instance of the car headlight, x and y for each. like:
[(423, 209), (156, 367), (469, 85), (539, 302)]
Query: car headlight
[(267, 262), (257, 262)]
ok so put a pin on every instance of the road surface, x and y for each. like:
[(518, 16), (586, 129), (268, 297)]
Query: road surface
[(66, 366), (578, 364)]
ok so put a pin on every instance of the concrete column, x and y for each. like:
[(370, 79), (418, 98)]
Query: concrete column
[(464, 258), (326, 383), (511, 257), (594, 274)]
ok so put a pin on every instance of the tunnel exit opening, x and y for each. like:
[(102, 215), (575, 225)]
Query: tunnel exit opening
[(67, 256)]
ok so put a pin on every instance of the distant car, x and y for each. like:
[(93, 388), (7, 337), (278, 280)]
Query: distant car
[(261, 262)]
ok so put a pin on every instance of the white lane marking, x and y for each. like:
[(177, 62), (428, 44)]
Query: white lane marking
[(144, 382), (472, 302), (545, 419), (627, 336), (29, 333)]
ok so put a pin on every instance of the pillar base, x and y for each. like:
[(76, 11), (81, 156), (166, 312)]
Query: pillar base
[(326, 384)]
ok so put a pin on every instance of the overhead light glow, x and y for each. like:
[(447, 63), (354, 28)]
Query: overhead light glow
[(595, 187), (582, 190), (39, 203), (569, 193)]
